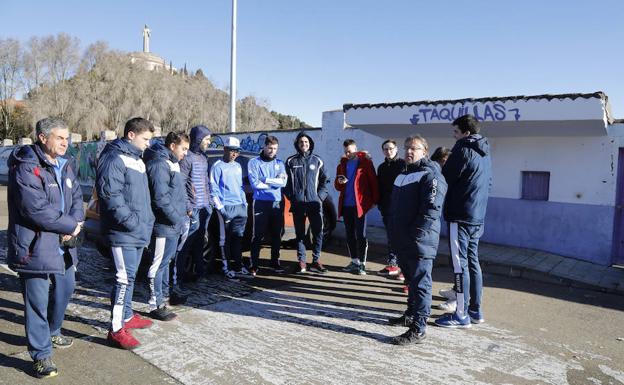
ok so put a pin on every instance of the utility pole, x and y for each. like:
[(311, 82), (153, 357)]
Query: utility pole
[(233, 71)]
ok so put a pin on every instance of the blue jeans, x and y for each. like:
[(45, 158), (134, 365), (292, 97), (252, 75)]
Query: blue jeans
[(232, 223), (355, 227), (127, 261), (158, 274), (266, 215), (417, 272), (44, 310), (195, 242), (464, 245), (313, 211)]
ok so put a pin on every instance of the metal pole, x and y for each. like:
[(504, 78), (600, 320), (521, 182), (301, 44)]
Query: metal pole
[(233, 71)]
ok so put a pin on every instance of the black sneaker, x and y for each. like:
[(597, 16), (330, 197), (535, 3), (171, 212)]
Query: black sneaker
[(403, 320), (317, 267), (61, 341), (177, 299), (412, 336), (302, 268), (45, 368), (276, 267), (163, 314)]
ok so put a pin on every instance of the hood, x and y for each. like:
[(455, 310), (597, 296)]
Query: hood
[(477, 143), (301, 135), (29, 154), (122, 145), (157, 151), (198, 133)]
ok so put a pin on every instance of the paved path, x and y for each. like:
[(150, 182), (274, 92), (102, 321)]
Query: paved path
[(330, 329)]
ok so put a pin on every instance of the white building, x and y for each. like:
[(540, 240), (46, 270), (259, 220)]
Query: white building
[(557, 185)]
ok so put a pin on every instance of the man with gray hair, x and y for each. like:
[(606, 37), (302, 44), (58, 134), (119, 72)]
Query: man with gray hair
[(45, 219)]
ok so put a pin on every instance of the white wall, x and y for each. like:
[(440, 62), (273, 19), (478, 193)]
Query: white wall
[(582, 169)]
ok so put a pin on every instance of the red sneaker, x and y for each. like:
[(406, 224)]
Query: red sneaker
[(123, 339), (389, 271), (400, 277), (136, 322), (405, 289)]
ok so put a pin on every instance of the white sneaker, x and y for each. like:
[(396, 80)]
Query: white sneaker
[(230, 275), (449, 306), (243, 273), (448, 293)]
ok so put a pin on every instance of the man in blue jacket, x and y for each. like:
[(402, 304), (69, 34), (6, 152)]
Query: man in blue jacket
[(414, 226), (230, 203), (468, 172), (45, 216), (267, 176), (306, 189), (127, 221), (169, 204), (195, 169)]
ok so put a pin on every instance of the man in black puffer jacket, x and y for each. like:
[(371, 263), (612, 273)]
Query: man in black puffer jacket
[(127, 221), (468, 172), (169, 204), (414, 218), (306, 189)]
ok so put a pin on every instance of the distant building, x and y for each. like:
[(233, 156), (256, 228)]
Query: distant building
[(147, 59)]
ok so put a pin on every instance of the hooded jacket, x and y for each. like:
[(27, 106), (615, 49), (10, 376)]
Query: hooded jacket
[(415, 210), (167, 190), (386, 174), (37, 216), (364, 184), (468, 172), (121, 184), (307, 180), (195, 169)]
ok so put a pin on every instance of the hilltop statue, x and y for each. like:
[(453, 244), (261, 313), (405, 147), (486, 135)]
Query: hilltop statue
[(146, 36)]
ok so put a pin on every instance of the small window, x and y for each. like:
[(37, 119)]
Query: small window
[(535, 185)]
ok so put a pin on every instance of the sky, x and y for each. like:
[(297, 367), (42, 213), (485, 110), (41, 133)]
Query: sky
[(309, 56)]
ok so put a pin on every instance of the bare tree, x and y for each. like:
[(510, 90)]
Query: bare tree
[(10, 81)]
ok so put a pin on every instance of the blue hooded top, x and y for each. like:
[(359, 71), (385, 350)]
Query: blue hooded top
[(468, 173), (195, 169), (39, 213)]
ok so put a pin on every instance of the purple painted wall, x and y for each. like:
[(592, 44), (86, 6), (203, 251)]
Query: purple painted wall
[(579, 231)]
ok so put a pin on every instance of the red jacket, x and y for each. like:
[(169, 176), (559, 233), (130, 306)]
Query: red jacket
[(365, 184)]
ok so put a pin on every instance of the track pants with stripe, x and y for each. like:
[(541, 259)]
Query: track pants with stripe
[(127, 261), (158, 273), (268, 218), (468, 281), (313, 211), (417, 272), (232, 223), (44, 309), (355, 227)]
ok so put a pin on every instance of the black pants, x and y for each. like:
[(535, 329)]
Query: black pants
[(355, 228), (313, 211), (268, 217)]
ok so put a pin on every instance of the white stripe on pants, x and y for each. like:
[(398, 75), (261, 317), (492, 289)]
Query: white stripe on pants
[(159, 252), (457, 269), (122, 278)]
